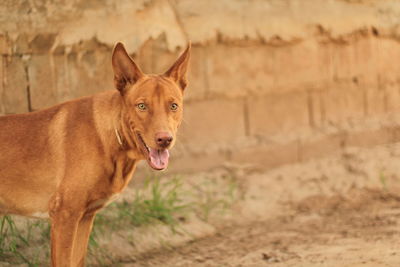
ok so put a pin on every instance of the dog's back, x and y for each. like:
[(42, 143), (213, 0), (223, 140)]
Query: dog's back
[(22, 138), (34, 153)]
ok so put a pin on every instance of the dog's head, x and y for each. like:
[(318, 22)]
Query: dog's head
[(152, 104)]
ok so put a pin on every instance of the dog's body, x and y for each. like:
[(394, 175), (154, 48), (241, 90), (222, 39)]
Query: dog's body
[(66, 162), (40, 148)]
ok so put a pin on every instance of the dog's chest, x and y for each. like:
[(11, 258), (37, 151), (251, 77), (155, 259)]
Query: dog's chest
[(120, 180), (102, 202)]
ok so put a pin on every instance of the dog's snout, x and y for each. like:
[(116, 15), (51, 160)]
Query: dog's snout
[(163, 139)]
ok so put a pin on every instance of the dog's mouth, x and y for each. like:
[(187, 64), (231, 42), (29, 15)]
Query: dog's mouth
[(156, 158)]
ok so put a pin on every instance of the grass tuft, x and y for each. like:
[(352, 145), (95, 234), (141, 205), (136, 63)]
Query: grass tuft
[(161, 205), (12, 239)]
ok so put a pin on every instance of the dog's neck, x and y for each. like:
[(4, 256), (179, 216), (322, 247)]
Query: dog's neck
[(113, 126), (123, 133)]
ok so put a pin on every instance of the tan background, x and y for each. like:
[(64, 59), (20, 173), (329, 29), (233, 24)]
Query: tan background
[(271, 81)]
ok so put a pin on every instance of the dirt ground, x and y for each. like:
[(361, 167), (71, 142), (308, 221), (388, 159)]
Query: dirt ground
[(339, 211), (321, 232)]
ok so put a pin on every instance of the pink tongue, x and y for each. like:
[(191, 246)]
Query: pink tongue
[(159, 158)]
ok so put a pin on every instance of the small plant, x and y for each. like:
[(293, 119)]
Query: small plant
[(383, 181), (212, 198), (155, 203)]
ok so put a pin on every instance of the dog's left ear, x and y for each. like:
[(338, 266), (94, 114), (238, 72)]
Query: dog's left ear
[(178, 71)]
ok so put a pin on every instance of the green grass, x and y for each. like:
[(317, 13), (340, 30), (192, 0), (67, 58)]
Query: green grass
[(162, 205), (12, 239), (383, 180), (152, 204), (157, 202), (212, 199)]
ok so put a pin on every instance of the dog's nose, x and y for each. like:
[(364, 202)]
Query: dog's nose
[(163, 139)]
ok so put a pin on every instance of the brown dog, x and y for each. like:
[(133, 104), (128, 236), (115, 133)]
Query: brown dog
[(66, 162)]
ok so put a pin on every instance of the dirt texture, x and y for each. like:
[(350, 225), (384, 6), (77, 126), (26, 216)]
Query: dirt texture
[(322, 231), (340, 211)]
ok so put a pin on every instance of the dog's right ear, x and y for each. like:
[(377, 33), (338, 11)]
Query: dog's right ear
[(125, 70)]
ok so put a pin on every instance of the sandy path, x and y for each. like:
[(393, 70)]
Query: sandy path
[(339, 211), (362, 230)]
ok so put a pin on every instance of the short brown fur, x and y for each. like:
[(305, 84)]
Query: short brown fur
[(69, 160)]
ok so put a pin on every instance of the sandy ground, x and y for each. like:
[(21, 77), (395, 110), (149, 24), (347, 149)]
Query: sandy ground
[(339, 211), (359, 232)]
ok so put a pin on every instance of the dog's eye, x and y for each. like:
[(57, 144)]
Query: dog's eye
[(142, 106), (174, 106)]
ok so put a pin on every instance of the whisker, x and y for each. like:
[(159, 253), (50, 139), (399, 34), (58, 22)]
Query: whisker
[(184, 121)]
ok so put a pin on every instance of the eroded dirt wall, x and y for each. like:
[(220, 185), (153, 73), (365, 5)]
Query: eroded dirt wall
[(271, 82)]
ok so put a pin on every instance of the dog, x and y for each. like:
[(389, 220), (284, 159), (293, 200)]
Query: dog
[(68, 161)]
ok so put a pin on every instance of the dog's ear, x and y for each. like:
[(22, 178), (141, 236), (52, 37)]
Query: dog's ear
[(178, 71), (125, 69)]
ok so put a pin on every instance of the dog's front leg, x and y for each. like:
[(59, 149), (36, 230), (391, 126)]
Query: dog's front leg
[(82, 238), (64, 226)]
